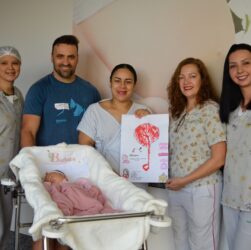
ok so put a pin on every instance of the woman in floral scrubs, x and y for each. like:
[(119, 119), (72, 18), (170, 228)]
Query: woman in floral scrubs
[(197, 152), (235, 111)]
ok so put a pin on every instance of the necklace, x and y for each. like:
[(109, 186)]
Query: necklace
[(181, 122)]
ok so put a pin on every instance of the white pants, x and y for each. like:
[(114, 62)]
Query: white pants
[(238, 228), (196, 217)]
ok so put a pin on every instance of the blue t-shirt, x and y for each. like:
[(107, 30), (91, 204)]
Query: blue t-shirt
[(60, 106)]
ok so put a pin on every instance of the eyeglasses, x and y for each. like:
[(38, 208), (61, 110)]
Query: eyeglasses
[(180, 123)]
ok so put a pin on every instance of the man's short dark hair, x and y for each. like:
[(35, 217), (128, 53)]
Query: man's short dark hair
[(66, 39)]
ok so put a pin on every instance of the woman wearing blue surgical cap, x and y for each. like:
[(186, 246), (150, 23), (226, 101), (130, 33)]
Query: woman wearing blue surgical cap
[(11, 104)]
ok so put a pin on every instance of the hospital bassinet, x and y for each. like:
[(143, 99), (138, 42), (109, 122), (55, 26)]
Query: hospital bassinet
[(121, 231)]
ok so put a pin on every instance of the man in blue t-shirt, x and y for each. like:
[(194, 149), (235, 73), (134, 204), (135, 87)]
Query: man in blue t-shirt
[(55, 104)]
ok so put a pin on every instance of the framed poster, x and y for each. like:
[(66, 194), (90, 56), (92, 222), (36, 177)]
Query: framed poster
[(144, 148)]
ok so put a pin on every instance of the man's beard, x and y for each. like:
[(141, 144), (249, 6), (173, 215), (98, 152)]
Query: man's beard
[(65, 74)]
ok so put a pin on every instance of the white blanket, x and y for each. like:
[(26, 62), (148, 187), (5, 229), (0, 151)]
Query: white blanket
[(122, 234)]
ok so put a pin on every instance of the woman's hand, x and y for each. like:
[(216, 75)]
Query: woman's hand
[(139, 113), (218, 153), (176, 184)]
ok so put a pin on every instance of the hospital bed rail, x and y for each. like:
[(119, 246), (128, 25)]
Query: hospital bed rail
[(52, 230)]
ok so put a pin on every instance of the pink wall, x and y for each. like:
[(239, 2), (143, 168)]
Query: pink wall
[(153, 37)]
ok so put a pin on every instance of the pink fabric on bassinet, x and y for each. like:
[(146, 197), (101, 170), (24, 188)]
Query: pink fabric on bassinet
[(78, 198)]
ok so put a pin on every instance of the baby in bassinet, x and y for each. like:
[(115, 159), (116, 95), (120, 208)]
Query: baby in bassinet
[(76, 198)]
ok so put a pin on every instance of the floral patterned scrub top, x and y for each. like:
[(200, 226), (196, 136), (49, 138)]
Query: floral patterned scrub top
[(191, 136), (237, 171)]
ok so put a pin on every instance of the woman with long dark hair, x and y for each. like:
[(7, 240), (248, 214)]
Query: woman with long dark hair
[(235, 112)]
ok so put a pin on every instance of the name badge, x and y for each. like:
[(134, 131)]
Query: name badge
[(61, 106)]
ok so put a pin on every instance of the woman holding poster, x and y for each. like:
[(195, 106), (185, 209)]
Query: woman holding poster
[(101, 123), (197, 152)]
